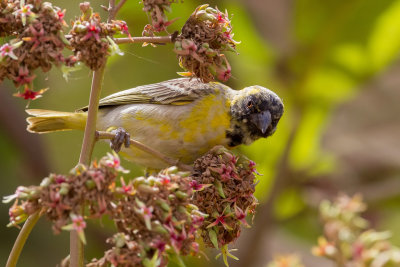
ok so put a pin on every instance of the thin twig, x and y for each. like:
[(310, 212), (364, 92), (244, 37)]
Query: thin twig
[(161, 156), (76, 246), (118, 7), (21, 239), (89, 137), (140, 39), (145, 39), (113, 9)]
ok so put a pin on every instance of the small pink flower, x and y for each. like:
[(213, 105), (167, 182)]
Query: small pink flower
[(38, 37), (60, 179), (220, 220), (146, 212), (223, 73), (228, 34), (20, 192), (78, 223), (197, 220), (24, 12), (127, 188), (8, 50), (61, 15), (24, 76), (92, 31), (122, 27), (226, 172), (159, 245), (98, 177), (241, 216), (324, 248), (198, 187), (252, 167), (222, 18), (114, 162), (358, 249), (28, 94), (177, 239), (17, 215), (165, 180), (233, 159)]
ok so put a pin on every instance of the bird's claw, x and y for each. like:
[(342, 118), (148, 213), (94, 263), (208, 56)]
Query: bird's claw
[(122, 137)]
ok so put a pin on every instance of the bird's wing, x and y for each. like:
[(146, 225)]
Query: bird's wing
[(172, 92)]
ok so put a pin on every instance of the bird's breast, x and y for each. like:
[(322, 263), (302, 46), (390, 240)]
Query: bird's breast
[(183, 132)]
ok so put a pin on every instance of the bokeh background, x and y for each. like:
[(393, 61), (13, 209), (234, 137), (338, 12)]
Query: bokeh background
[(335, 65)]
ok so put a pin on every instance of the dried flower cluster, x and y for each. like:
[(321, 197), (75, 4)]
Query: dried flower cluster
[(10, 24), (206, 35), (153, 215), (92, 39), (347, 241), (159, 217), (155, 220), (157, 9), (224, 187), (61, 197), (38, 43)]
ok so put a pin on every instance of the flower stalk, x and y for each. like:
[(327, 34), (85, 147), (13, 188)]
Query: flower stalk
[(76, 245), (21, 239)]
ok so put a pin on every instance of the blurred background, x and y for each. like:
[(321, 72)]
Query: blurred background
[(335, 64)]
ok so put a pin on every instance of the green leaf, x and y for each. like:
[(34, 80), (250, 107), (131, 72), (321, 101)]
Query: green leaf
[(153, 262), (384, 42), (213, 237), (289, 203)]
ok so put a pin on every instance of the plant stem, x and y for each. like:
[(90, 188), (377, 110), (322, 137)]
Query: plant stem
[(144, 39), (21, 239), (113, 9), (76, 246), (89, 139), (140, 39), (143, 147), (90, 129)]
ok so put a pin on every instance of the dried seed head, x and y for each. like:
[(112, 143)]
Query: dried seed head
[(158, 218), (205, 37), (157, 9), (228, 197), (92, 39), (38, 43)]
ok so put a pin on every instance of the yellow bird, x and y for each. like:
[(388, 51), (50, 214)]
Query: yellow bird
[(181, 118)]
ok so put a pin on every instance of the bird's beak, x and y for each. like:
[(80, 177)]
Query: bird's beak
[(262, 120)]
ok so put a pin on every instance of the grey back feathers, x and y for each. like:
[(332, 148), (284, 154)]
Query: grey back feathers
[(172, 92)]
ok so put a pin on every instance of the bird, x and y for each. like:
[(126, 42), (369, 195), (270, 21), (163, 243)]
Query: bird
[(182, 118)]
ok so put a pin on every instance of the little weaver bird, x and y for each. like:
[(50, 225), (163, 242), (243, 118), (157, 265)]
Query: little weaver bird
[(180, 118)]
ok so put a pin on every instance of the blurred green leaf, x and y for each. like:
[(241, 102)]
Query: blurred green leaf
[(288, 204), (384, 42)]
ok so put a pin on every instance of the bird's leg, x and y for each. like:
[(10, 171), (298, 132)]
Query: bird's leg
[(122, 137)]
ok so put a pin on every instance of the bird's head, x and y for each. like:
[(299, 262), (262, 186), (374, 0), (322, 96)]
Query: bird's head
[(256, 112)]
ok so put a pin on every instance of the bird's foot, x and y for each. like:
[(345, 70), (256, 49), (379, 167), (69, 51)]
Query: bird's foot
[(122, 137)]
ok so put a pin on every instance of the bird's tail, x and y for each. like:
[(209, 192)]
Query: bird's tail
[(45, 121)]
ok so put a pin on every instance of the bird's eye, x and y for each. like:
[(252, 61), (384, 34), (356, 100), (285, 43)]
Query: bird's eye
[(250, 104)]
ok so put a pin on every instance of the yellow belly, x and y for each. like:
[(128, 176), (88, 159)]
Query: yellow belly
[(183, 132)]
